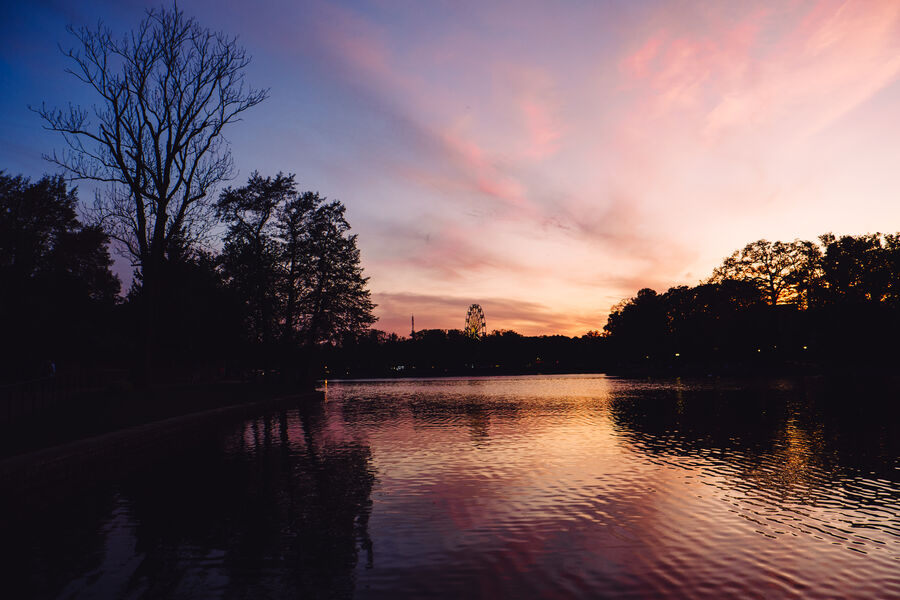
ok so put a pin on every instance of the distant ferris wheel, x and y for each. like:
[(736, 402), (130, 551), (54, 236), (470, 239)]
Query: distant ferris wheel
[(476, 327)]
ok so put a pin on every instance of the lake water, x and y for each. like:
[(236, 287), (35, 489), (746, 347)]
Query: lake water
[(510, 487)]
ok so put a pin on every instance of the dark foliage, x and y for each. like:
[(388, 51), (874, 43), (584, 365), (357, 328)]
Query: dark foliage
[(783, 305), (438, 352), (56, 291), (164, 94), (287, 282), (288, 291), (772, 306), (199, 333), (291, 262), (251, 254)]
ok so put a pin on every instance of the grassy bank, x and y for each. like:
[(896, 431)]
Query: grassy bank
[(99, 410)]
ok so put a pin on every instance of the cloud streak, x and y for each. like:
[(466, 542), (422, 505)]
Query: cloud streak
[(506, 151), (807, 64), (549, 161)]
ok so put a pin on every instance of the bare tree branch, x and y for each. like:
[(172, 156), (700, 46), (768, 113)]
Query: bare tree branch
[(165, 91)]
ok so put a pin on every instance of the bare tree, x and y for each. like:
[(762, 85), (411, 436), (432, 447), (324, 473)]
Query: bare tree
[(166, 91)]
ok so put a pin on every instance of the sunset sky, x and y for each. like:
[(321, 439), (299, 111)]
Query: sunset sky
[(543, 159)]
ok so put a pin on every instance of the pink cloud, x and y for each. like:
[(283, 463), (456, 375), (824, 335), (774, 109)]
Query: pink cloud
[(544, 132), (364, 50), (451, 252), (482, 173), (804, 67), (638, 65), (588, 166), (441, 250), (534, 93)]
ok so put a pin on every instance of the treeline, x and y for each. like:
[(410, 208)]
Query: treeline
[(440, 352), (831, 304), (286, 281), (57, 294), (800, 306)]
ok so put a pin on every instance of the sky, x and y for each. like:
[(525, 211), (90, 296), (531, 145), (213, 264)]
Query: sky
[(546, 159)]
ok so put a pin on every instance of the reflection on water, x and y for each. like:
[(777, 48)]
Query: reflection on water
[(572, 486), (277, 506)]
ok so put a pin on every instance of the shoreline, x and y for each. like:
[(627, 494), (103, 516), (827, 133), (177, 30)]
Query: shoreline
[(48, 473)]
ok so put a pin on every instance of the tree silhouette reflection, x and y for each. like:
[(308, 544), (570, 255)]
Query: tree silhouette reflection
[(282, 511), (787, 439)]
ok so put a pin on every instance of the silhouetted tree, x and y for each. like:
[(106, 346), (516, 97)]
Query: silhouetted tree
[(892, 257), (165, 93), (330, 300), (200, 329), (291, 259), (772, 305), (55, 282), (786, 272), (641, 322), (707, 319), (451, 352), (292, 226), (776, 303), (251, 255), (859, 269)]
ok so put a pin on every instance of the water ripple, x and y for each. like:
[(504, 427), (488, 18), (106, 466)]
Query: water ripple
[(562, 486)]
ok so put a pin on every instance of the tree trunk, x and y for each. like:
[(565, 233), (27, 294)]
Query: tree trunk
[(152, 292)]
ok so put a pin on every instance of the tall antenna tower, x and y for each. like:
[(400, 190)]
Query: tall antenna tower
[(412, 331)]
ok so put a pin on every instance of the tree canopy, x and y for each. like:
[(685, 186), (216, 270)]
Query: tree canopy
[(54, 271), (836, 300), (785, 272), (292, 260)]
